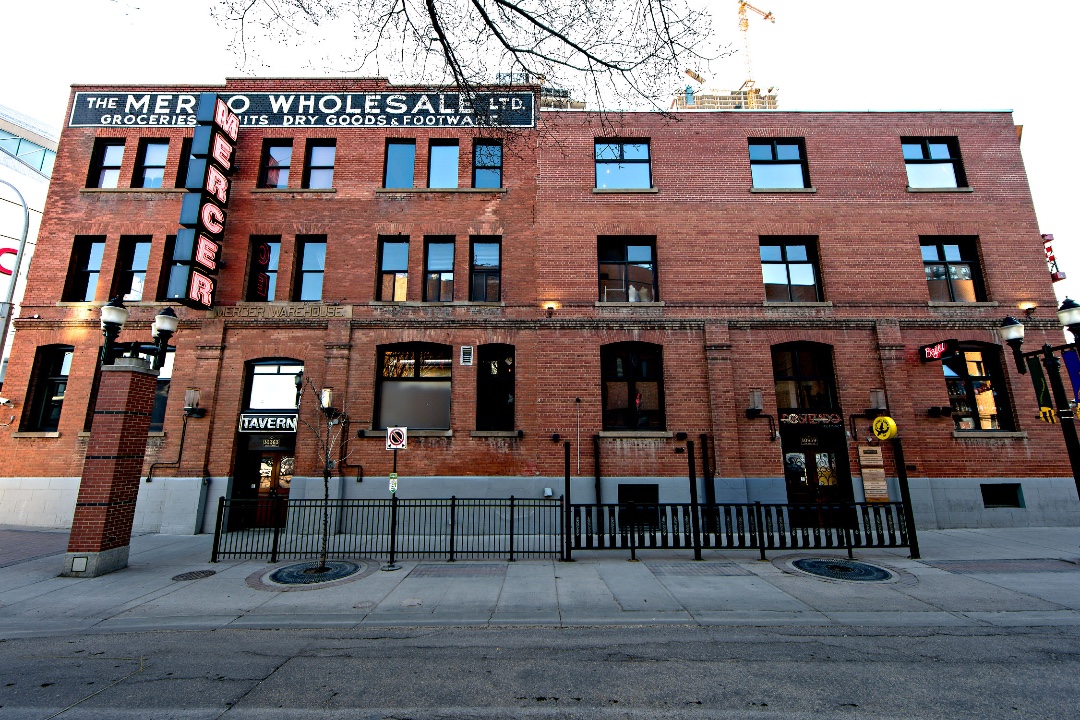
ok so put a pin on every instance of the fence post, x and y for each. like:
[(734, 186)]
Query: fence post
[(845, 527), (631, 511), (453, 513), (275, 511), (905, 498), (759, 521), (695, 526), (511, 528), (217, 528), (567, 544), (391, 565)]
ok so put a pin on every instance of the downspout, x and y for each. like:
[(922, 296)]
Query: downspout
[(596, 467)]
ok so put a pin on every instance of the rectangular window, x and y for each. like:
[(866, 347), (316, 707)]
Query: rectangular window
[(275, 163), (183, 162), (439, 269), (85, 269), (487, 165), (976, 386), (443, 164), (632, 386), (400, 163), (105, 163), (952, 269), (623, 164), (393, 268), (1002, 495), (778, 163), (263, 268), (319, 164), (130, 277), (150, 164), (48, 385), (933, 162), (413, 386), (486, 269), (495, 387), (310, 266), (627, 269), (789, 269)]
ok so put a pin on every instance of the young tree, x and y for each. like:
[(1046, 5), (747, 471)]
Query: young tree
[(615, 53)]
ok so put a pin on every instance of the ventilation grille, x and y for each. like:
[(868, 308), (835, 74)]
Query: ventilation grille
[(466, 354)]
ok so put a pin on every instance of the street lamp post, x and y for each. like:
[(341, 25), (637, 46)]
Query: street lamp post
[(1012, 332)]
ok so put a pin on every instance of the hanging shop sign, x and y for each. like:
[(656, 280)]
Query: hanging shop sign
[(268, 422), (1051, 262), (197, 248), (265, 109), (884, 427), (943, 350)]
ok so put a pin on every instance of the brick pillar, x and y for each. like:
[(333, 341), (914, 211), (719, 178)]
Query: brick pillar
[(105, 510)]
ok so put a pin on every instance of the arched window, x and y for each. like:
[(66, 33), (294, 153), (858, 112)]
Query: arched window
[(271, 384), (633, 386), (413, 386), (803, 374), (495, 387), (976, 386)]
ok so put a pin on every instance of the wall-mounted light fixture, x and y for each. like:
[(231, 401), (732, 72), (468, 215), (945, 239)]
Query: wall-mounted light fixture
[(1028, 308), (878, 407), (551, 306), (555, 437), (191, 403), (756, 410)]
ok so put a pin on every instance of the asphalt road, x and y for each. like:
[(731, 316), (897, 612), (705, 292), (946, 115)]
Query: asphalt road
[(591, 672)]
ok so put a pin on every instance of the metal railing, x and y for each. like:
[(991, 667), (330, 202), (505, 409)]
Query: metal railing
[(452, 528)]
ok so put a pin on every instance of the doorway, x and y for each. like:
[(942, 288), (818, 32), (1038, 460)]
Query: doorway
[(275, 478)]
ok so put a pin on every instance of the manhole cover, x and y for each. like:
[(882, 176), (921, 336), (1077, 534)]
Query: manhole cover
[(309, 572), (195, 575), (837, 569)]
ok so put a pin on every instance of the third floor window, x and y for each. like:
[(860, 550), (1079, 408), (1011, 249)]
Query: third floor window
[(933, 162), (275, 164), (319, 164), (777, 164), (150, 164), (623, 164), (105, 163)]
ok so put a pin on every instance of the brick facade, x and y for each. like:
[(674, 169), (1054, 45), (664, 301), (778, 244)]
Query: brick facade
[(711, 321)]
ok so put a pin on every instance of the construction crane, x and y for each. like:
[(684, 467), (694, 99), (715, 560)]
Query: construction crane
[(744, 27)]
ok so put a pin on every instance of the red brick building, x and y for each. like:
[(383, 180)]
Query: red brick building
[(616, 279)]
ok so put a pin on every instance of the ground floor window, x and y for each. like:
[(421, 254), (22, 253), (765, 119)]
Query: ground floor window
[(495, 387), (413, 386), (48, 385), (633, 386), (976, 386)]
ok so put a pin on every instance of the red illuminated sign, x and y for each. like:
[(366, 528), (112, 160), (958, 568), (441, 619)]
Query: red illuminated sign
[(943, 350), (1051, 262)]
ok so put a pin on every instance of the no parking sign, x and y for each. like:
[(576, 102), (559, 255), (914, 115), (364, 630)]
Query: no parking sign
[(396, 438)]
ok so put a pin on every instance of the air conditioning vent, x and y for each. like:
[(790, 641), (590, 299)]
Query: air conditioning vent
[(466, 354)]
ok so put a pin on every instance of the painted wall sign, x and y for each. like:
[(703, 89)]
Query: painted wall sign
[(283, 311), (268, 422), (943, 350), (197, 246), (369, 109)]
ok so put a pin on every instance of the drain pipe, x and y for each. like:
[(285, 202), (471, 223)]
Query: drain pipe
[(179, 453), (706, 471), (596, 467)]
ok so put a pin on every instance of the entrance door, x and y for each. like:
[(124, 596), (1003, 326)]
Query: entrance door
[(275, 477), (812, 477), (817, 475)]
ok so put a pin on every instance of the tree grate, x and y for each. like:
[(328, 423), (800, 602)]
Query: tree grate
[(306, 573), (838, 569)]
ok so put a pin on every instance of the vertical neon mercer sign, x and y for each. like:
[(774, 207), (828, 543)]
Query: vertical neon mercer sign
[(195, 258)]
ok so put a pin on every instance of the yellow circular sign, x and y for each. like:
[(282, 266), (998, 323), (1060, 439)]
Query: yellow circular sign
[(884, 428)]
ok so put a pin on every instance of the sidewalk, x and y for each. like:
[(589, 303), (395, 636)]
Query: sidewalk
[(972, 578)]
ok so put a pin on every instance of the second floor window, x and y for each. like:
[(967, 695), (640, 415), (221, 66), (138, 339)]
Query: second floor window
[(82, 280), (778, 164), (443, 164), (627, 269), (933, 163), (393, 269), (319, 164), (952, 269), (130, 279), (400, 164), (623, 164), (486, 270), (275, 163), (105, 163), (789, 268), (487, 165), (439, 275), (150, 164), (310, 267), (263, 272)]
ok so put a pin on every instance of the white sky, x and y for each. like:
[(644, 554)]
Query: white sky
[(840, 55)]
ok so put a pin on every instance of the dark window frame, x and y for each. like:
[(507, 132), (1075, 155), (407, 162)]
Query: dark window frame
[(440, 356), (309, 152), (495, 387), (483, 165), (301, 274), (955, 160), (80, 271), (481, 276), (95, 175), (812, 259), (249, 381), (822, 369), (183, 162), (623, 243), (621, 160), (48, 388), (126, 272), (387, 168), (440, 143), (776, 160), (440, 283), (256, 268), (968, 250), (265, 168), (615, 360), (384, 274), (138, 177), (964, 390)]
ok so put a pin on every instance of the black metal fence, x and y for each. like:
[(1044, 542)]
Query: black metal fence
[(456, 528)]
